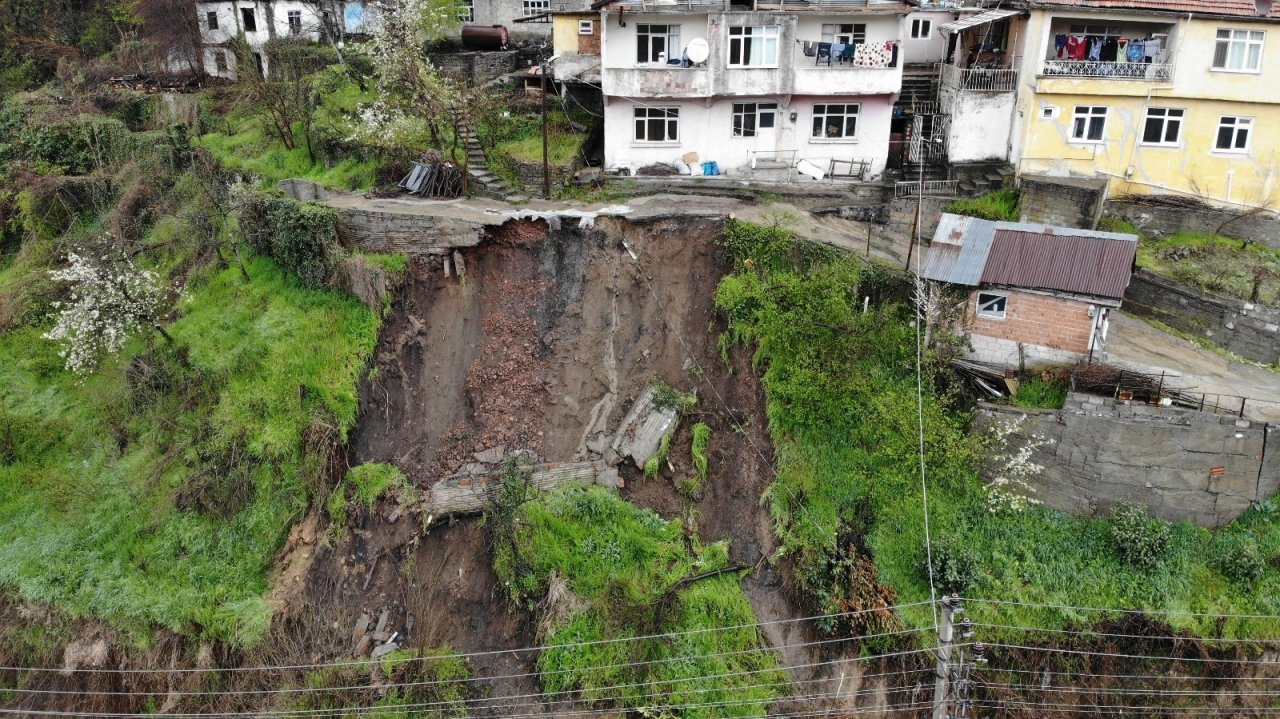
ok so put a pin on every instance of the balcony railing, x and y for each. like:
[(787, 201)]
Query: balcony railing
[(1153, 71), (672, 5), (980, 80), (811, 4)]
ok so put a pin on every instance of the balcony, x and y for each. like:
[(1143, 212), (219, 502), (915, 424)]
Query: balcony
[(659, 81), (1106, 70), (815, 5), (979, 79), (814, 75)]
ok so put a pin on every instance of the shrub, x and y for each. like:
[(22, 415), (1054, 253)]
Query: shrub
[(1239, 558), (1141, 541), (303, 237), (955, 566)]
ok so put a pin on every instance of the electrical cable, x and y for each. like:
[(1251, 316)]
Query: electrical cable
[(1165, 637), (1253, 662), (1144, 677), (1154, 612), (1128, 691)]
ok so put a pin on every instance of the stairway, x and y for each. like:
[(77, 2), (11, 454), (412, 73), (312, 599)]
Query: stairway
[(919, 82), (481, 180)]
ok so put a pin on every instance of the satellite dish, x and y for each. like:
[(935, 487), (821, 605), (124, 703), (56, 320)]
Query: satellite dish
[(698, 50)]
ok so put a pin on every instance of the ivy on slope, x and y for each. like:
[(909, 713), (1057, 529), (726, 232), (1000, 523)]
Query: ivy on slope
[(841, 401), (157, 491), (604, 569)]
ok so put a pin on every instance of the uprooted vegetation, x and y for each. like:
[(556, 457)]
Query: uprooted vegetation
[(842, 403)]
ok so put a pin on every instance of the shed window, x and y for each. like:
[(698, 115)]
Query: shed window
[(992, 305), (586, 27)]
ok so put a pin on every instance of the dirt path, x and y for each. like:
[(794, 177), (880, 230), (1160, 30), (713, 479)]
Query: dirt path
[(1136, 345)]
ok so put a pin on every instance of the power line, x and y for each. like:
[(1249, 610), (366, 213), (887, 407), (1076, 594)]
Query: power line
[(1191, 710), (1144, 677), (467, 655), (1157, 612), (1132, 691), (1164, 637), (1134, 656)]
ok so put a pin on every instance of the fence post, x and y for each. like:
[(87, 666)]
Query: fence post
[(1242, 401), (1160, 385)]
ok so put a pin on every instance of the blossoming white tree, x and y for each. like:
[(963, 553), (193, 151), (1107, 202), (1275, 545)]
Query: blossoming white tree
[(1011, 468), (111, 299)]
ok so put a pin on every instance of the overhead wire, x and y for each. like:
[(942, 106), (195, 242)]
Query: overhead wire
[(1116, 655), (1127, 691), (1121, 610), (1158, 637)]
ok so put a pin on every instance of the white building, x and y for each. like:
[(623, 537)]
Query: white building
[(262, 20), (804, 85)]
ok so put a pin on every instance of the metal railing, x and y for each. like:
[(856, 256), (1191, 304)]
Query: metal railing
[(1154, 71), (928, 188), (810, 4), (1156, 390), (772, 159), (661, 5), (980, 79)]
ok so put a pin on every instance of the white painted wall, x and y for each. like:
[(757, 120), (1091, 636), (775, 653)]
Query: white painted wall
[(708, 131), (1005, 352), (926, 50), (981, 123)]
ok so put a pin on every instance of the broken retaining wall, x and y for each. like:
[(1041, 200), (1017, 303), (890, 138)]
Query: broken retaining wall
[(1179, 464), (1157, 221), (1250, 331)]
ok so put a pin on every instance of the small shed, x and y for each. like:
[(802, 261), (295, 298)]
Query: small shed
[(1040, 293)]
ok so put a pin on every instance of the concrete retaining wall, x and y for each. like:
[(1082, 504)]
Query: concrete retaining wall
[(1263, 227), (377, 231), (1248, 330), (1063, 201), (475, 68), (1179, 464)]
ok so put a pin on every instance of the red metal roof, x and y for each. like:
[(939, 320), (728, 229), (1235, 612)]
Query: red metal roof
[(1068, 263), (1239, 8)]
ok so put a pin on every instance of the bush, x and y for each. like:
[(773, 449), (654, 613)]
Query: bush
[(999, 205), (1141, 541), (303, 237), (955, 566), (1239, 558)]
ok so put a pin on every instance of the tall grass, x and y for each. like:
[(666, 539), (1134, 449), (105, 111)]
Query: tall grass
[(999, 205)]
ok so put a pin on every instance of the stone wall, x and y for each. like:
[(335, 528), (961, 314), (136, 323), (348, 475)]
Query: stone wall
[(1179, 464), (530, 175), (1250, 331), (376, 231), (476, 68), (1154, 221), (1062, 201)]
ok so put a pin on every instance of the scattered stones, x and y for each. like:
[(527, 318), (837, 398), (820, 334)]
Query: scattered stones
[(492, 455), (383, 650), (361, 626)]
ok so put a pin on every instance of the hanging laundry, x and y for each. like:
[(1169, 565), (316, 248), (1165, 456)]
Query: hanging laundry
[(1122, 49), (849, 52), (1095, 48), (810, 49), (1060, 46), (1075, 47), (1109, 49), (1137, 50), (824, 52), (837, 51), (893, 58), (1154, 47), (868, 55)]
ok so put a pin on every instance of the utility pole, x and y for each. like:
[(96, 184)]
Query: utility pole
[(942, 675), (546, 166), (960, 671)]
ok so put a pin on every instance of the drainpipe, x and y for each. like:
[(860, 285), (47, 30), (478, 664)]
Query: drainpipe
[(1133, 150)]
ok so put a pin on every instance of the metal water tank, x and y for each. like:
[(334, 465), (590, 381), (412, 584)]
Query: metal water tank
[(484, 37)]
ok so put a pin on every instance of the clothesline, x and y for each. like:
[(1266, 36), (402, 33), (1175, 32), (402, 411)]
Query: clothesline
[(878, 53), (1107, 48)]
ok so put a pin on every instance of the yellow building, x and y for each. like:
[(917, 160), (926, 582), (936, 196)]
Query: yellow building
[(1159, 96)]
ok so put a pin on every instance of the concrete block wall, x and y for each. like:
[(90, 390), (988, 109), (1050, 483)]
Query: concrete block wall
[(1067, 202), (475, 68), (1251, 331), (1156, 221), (1179, 464)]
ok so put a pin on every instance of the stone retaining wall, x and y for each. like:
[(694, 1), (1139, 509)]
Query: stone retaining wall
[(1155, 221), (377, 231), (1251, 331), (476, 68), (1179, 464)]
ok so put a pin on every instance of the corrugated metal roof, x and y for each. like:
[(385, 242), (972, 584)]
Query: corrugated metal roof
[(982, 18), (1238, 8), (971, 251), (1098, 266)]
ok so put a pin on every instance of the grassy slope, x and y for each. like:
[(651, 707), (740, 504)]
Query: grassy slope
[(620, 560), (1217, 264), (87, 511), (841, 396)]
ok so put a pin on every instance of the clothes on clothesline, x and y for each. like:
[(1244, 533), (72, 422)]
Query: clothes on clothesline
[(860, 54), (1107, 48)]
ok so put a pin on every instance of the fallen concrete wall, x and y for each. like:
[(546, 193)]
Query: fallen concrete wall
[(1179, 464), (376, 230), (472, 493), (1156, 221), (1250, 331)]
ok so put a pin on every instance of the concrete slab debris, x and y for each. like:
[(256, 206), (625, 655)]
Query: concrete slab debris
[(472, 493), (644, 426), (383, 650)]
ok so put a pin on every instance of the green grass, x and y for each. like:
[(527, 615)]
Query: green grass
[(841, 400), (1215, 264), (1049, 394), (161, 502), (562, 148), (248, 149), (623, 565), (999, 205)]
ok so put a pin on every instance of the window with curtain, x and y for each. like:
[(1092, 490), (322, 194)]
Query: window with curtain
[(753, 45)]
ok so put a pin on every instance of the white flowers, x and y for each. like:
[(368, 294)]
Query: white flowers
[(109, 301), (1008, 489)]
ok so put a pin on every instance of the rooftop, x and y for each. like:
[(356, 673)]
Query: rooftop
[(972, 251), (1230, 8)]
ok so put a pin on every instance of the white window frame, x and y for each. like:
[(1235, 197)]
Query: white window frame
[(668, 119), (646, 36), (586, 27), (530, 8), (1230, 41), (844, 33), (823, 112), (295, 28), (1237, 124), (1166, 117), (211, 19), (1082, 120), (989, 300), (767, 35), (466, 10), (921, 28), (247, 16), (749, 118)]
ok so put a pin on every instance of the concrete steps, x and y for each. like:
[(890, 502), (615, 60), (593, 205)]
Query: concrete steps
[(481, 180)]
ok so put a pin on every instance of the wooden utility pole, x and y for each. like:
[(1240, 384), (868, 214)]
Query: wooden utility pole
[(546, 166)]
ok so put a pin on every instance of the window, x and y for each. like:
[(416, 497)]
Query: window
[(846, 33), (249, 22), (295, 22), (748, 117), (536, 7), (220, 60), (211, 19), (1239, 50), (467, 11), (1104, 30), (835, 121), (1089, 123), (586, 27), (921, 29), (657, 124), (1233, 134), (992, 306), (656, 43), (753, 45), (1163, 126), (257, 60)]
